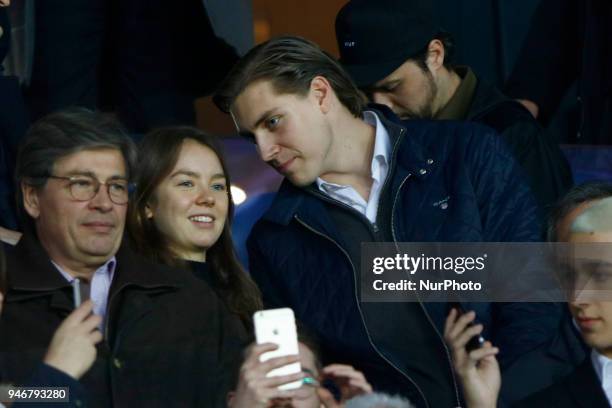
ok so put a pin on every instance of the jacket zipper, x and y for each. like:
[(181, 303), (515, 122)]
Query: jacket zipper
[(359, 307), (448, 356)]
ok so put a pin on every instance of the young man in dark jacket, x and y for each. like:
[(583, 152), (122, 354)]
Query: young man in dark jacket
[(157, 349), (398, 55), (356, 175), (583, 218)]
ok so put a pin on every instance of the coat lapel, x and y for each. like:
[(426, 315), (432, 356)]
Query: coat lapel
[(585, 388)]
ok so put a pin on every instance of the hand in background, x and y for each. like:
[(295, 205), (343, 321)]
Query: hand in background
[(531, 106), (254, 389), (73, 346), (350, 382), (5, 3), (478, 370)]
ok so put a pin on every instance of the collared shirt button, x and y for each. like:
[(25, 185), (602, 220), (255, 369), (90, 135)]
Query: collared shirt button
[(422, 172), (429, 161), (117, 363)]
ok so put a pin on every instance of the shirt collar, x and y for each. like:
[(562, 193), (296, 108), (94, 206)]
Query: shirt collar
[(380, 156), (602, 366), (108, 267), (458, 106)]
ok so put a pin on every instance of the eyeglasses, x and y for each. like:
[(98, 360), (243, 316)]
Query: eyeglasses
[(84, 188)]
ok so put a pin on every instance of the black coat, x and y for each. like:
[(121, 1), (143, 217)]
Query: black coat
[(581, 389), (13, 125), (569, 40), (168, 341), (547, 170), (552, 363)]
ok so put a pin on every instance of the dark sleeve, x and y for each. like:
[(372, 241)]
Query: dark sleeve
[(546, 168), (233, 340), (260, 270), (510, 214), (5, 38), (508, 210), (13, 125), (550, 59), (47, 376), (198, 74)]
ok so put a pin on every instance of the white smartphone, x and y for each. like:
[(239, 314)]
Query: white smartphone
[(278, 326)]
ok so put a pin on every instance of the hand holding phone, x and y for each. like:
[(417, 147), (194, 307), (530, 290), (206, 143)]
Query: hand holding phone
[(277, 326), (478, 369), (478, 340)]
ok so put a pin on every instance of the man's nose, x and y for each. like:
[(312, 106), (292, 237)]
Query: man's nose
[(101, 200), (266, 147)]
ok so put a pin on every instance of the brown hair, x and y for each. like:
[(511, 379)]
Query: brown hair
[(290, 63), (159, 151)]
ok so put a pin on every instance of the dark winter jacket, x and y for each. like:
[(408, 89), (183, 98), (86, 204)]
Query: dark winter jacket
[(301, 259)]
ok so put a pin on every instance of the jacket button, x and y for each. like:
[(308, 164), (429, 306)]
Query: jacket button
[(117, 363), (422, 172), (429, 161), (1, 32)]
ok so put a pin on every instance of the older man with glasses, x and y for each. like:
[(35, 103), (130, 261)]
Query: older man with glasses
[(73, 171)]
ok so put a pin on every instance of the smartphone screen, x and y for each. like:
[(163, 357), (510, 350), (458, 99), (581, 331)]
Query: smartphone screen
[(278, 326)]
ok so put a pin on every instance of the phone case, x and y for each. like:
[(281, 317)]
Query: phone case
[(278, 326)]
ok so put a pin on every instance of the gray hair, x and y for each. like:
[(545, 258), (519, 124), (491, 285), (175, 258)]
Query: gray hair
[(63, 133), (596, 218), (378, 400)]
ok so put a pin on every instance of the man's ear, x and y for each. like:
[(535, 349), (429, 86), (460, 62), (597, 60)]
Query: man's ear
[(435, 55), (322, 91), (31, 199)]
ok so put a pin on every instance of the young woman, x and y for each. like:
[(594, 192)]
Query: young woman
[(181, 213)]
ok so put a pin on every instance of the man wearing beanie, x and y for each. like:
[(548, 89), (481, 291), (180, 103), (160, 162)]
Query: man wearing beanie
[(399, 56)]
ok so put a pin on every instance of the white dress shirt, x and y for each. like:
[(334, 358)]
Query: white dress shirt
[(603, 369), (99, 286), (380, 167)]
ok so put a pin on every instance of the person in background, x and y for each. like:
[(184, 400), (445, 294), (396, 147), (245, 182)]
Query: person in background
[(74, 171), (396, 52), (569, 42), (355, 174), (13, 124), (588, 222), (254, 389), (182, 211), (378, 400), (145, 60)]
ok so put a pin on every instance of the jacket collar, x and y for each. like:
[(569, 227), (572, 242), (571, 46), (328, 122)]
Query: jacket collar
[(585, 387), (407, 153), (31, 271), (486, 99), (29, 267)]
